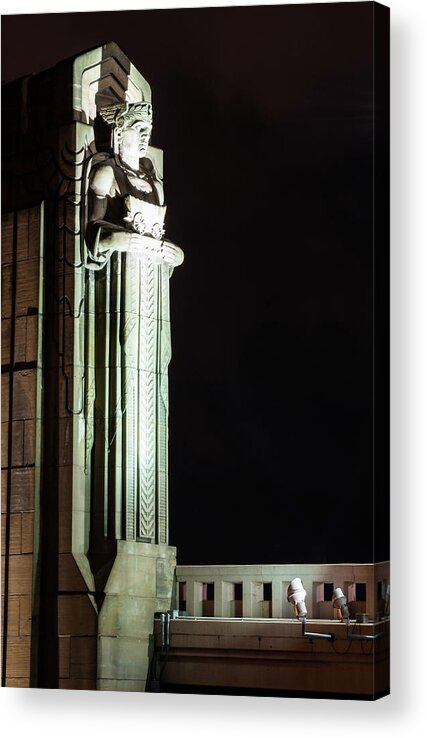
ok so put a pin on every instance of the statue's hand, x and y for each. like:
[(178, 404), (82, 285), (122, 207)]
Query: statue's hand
[(134, 243), (158, 251), (172, 254), (145, 245), (152, 248)]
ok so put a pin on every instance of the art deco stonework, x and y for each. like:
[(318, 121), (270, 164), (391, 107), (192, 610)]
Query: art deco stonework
[(278, 179), (86, 299)]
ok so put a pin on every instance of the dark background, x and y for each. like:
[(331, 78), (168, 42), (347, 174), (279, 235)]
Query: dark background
[(266, 118)]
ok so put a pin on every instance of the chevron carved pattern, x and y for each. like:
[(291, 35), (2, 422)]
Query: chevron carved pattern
[(130, 471), (162, 455), (147, 461), (130, 391), (147, 454)]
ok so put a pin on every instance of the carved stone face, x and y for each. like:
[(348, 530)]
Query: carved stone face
[(143, 132), (131, 125), (135, 139)]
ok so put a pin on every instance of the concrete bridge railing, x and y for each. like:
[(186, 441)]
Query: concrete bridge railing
[(260, 591)]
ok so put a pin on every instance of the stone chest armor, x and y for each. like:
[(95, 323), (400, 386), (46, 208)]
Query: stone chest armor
[(129, 209)]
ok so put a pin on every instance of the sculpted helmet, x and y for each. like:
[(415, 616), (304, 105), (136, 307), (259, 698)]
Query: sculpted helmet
[(111, 121)]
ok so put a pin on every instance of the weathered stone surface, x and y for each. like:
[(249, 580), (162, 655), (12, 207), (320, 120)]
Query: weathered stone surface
[(83, 650), (7, 238), (4, 490), (19, 341), (22, 235), (123, 658), (133, 575), (17, 443), (25, 623), (30, 430), (127, 616), (15, 533), (12, 615), (76, 615), (15, 682), (20, 574), (69, 576), (6, 291), (5, 398), (5, 341), (34, 232), (83, 670), (121, 685), (17, 458), (65, 441), (65, 488), (4, 444), (165, 572), (24, 394), (27, 540), (22, 496), (64, 648), (31, 342), (77, 684), (27, 286), (65, 532)]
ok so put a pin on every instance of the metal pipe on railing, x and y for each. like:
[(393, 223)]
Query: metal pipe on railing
[(324, 636), (361, 636)]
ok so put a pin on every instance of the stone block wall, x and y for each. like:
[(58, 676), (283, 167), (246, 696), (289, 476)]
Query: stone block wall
[(45, 601), (21, 395)]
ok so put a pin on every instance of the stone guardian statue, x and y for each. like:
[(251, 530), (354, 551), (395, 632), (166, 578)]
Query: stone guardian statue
[(129, 262)]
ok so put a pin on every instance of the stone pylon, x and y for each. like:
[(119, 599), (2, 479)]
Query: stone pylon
[(93, 373)]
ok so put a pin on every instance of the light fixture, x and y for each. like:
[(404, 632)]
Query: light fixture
[(339, 601), (296, 596)]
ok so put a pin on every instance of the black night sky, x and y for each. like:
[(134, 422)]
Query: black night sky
[(265, 115)]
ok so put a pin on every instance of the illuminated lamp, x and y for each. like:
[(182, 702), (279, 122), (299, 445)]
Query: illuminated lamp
[(296, 596), (339, 601)]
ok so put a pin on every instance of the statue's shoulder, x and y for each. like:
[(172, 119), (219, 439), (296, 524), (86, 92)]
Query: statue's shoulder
[(103, 178)]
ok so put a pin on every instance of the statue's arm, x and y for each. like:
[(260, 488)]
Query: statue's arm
[(101, 185), (171, 253), (104, 239)]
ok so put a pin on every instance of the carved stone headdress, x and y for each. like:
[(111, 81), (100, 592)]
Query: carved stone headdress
[(124, 114), (111, 121)]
